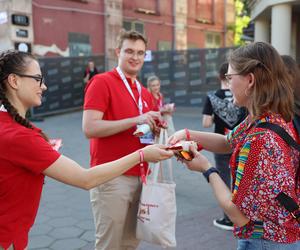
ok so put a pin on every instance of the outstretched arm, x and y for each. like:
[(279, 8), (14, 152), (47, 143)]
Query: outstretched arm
[(69, 172), (221, 192), (213, 142)]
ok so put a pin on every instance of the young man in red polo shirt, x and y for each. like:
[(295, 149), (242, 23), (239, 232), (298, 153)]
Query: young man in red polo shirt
[(115, 104)]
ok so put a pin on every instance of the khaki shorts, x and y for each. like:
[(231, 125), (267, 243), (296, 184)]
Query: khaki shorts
[(115, 205), (10, 248)]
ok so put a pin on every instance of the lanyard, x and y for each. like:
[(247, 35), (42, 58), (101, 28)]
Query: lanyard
[(2, 108), (138, 85)]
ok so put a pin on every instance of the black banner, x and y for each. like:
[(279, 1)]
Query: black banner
[(186, 76), (64, 80)]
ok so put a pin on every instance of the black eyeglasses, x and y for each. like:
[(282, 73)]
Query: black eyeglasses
[(39, 79)]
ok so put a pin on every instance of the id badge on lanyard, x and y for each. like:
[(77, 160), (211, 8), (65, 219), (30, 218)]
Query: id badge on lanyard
[(147, 138)]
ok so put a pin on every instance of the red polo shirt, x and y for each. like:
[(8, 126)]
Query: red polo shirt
[(24, 156), (107, 93)]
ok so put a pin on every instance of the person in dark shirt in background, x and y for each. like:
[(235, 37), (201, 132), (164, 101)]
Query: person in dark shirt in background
[(220, 111)]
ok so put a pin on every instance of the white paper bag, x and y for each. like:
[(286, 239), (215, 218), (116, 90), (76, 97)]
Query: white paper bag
[(169, 119), (156, 217)]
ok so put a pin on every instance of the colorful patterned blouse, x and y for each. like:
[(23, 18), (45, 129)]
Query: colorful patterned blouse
[(263, 165)]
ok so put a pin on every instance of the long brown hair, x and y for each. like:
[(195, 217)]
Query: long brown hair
[(294, 72), (273, 89), (14, 62)]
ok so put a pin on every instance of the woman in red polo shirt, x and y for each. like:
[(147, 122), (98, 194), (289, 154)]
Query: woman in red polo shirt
[(26, 156), (153, 85)]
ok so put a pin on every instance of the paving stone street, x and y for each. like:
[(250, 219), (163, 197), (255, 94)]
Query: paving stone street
[(65, 222)]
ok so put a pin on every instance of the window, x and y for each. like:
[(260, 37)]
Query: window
[(144, 7), (80, 1), (79, 44), (212, 40), (205, 11), (133, 25)]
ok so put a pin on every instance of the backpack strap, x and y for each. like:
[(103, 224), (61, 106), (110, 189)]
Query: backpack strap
[(296, 123), (286, 201), (281, 132)]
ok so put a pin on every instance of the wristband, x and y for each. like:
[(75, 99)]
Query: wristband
[(142, 169), (187, 134), (199, 147), (141, 153), (211, 170)]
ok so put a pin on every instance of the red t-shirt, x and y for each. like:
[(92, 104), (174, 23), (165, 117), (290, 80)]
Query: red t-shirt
[(157, 102), (24, 156), (107, 93)]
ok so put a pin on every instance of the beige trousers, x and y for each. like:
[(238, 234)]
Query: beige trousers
[(115, 206), (10, 248)]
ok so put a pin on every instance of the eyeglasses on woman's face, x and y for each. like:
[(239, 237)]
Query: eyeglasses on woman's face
[(228, 77), (39, 78)]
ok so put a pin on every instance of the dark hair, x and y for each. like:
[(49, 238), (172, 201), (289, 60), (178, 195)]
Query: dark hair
[(130, 35), (14, 62), (273, 89), (294, 72), (223, 70)]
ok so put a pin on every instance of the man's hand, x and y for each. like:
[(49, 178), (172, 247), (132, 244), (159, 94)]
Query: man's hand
[(149, 118)]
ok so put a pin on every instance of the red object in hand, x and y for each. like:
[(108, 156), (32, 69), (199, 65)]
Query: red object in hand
[(161, 123), (199, 147), (187, 134), (178, 146)]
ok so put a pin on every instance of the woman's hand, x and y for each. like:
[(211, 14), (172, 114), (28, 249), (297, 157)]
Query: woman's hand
[(179, 135), (199, 163), (156, 153)]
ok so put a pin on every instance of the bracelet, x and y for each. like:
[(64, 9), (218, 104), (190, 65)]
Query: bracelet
[(142, 169), (199, 147), (208, 172), (187, 134), (141, 153)]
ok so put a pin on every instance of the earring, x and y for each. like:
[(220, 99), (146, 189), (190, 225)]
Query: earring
[(246, 92)]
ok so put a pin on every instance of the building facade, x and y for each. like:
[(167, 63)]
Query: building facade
[(16, 31), (87, 27), (278, 22)]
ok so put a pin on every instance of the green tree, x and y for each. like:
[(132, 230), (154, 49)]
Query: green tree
[(242, 20)]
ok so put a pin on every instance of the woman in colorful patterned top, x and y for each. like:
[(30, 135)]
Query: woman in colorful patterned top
[(262, 164)]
